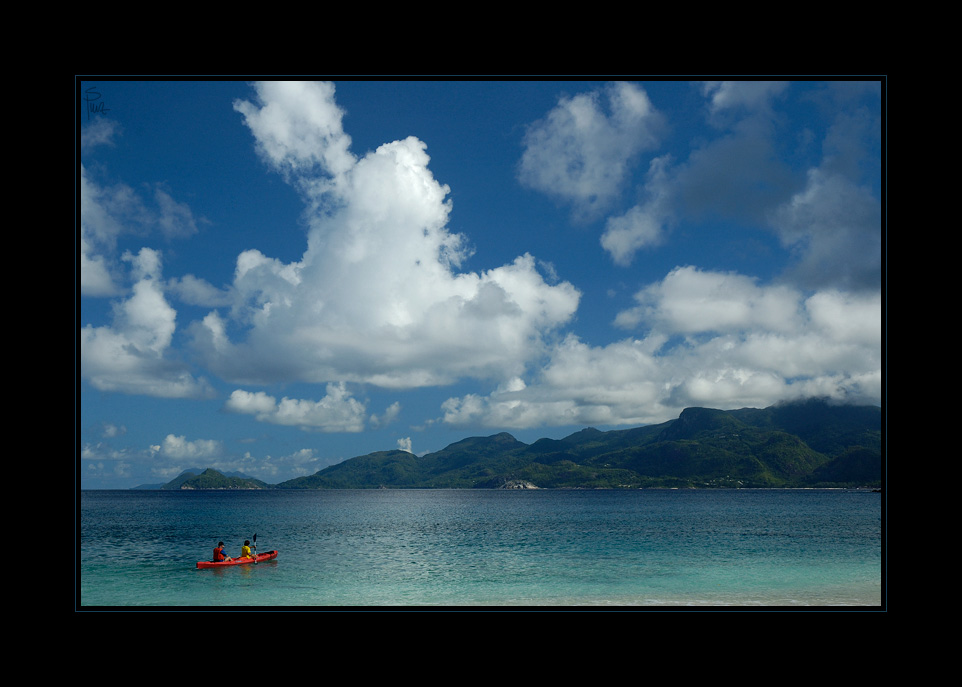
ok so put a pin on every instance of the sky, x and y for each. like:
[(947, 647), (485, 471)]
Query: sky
[(274, 277)]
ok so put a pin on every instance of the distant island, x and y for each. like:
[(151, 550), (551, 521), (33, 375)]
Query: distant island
[(807, 444), (211, 479)]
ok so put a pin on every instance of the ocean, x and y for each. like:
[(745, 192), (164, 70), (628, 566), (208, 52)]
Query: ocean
[(485, 549)]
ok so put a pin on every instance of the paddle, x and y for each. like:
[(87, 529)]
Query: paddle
[(255, 548)]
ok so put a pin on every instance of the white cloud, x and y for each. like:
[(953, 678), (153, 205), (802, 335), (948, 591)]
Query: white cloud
[(98, 235), (690, 301), (297, 127), (132, 355), (582, 152), (736, 175), (107, 213), (581, 384), (643, 225), (849, 318), (713, 339), (376, 297), (111, 430), (338, 411), (752, 96), (195, 291), (101, 131), (179, 448), (389, 415), (95, 276)]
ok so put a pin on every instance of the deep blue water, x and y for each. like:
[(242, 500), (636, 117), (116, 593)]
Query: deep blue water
[(429, 548)]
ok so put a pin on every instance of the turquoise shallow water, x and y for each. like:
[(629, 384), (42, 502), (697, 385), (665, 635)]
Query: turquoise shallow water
[(441, 548)]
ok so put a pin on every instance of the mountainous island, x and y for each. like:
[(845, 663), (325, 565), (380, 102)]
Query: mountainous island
[(208, 479), (795, 445)]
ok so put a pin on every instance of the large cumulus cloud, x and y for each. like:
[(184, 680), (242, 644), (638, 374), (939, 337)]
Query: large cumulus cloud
[(378, 296)]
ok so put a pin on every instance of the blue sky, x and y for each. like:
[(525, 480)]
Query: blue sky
[(275, 277)]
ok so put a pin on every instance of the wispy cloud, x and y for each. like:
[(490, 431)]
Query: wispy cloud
[(582, 151)]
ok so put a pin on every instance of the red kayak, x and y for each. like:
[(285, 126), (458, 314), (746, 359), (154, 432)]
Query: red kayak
[(261, 557)]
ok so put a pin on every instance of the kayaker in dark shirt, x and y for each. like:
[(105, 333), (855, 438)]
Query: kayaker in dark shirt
[(219, 555)]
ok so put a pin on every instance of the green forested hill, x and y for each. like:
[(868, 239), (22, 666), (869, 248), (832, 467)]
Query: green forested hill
[(806, 444), (212, 479)]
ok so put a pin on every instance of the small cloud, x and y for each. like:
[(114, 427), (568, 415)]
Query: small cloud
[(751, 96), (336, 412), (110, 431), (583, 151), (194, 291), (180, 448), (390, 415), (100, 132)]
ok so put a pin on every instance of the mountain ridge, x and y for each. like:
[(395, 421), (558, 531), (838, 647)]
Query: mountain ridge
[(803, 444)]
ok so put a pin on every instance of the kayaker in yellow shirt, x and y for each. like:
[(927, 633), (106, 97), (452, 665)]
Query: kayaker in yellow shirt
[(246, 549)]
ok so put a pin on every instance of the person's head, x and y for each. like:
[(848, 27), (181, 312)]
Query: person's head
[(247, 542), (220, 543)]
